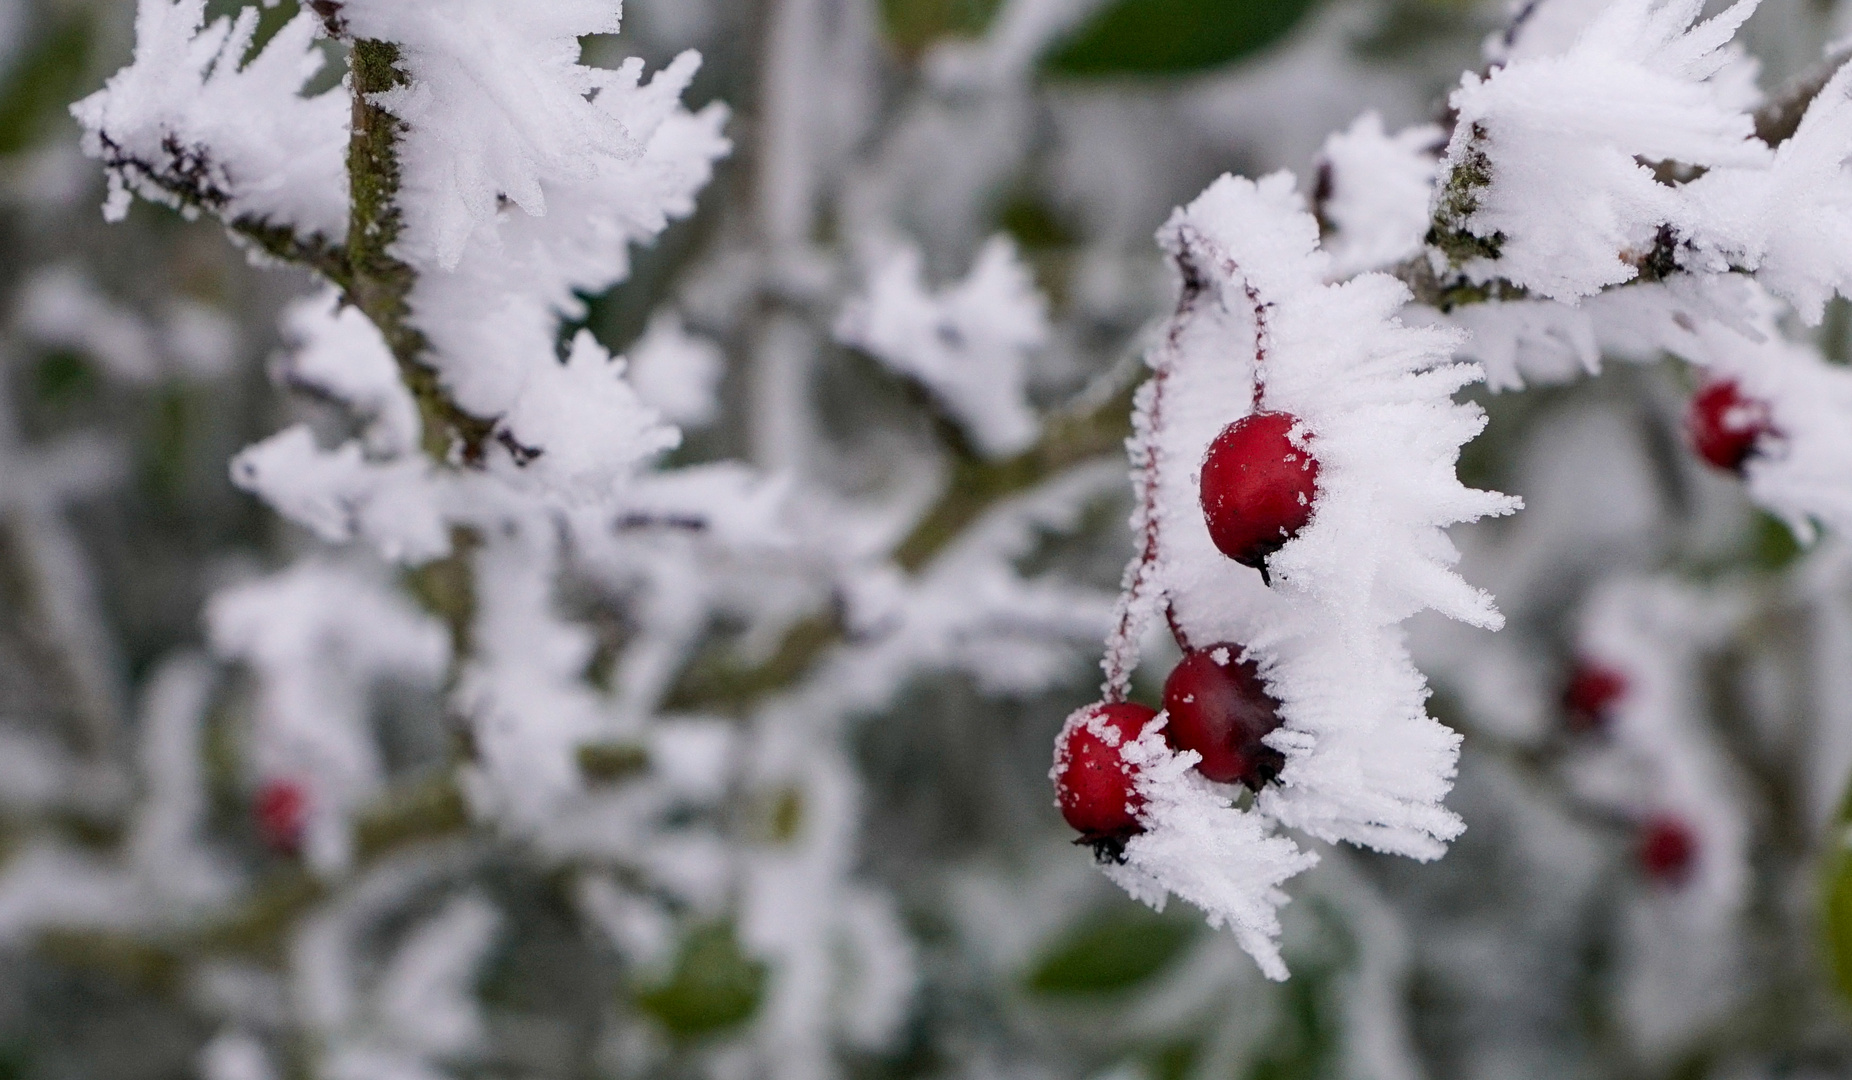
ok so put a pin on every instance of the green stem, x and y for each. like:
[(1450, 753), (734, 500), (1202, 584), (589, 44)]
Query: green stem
[(379, 282)]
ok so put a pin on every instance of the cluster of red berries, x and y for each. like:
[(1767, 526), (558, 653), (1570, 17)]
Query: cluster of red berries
[(1727, 428), (1217, 706), (1257, 488)]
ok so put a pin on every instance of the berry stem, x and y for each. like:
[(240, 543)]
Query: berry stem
[(1176, 628), (1122, 647)]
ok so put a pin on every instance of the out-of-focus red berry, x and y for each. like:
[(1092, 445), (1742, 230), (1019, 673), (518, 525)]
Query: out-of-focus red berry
[(1593, 691), (1725, 426), (282, 810), (1668, 849)]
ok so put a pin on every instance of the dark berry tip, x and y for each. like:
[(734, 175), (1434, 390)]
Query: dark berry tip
[(1106, 849)]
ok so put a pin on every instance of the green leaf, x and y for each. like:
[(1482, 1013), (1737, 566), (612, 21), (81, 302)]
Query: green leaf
[(62, 377), (912, 25), (1174, 1061), (13, 1061), (1174, 37), (42, 84), (1839, 921), (1773, 545), (1836, 898), (1110, 953), (1304, 1044), (1033, 224), (715, 986)]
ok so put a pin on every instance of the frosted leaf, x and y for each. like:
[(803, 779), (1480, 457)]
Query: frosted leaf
[(523, 690), (186, 125), (166, 845), (36, 775), (62, 308), (201, 340), (167, 874), (1530, 342), (726, 502), (1542, 28), (490, 302), (318, 637), (693, 758), (677, 373), (1544, 185), (591, 429), (1196, 844), (338, 614), (1791, 222), (426, 996), (364, 1062), (1373, 193), (968, 344), (498, 105), (1365, 763), (337, 352), (973, 610), (45, 886), (398, 505), (883, 970)]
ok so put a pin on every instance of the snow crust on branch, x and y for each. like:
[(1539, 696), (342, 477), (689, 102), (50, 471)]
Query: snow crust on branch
[(677, 372), (968, 343), (1545, 172), (192, 124), (1790, 224), (522, 688), (1257, 327), (498, 108), (600, 430), (501, 115), (1373, 192), (397, 505), (334, 351)]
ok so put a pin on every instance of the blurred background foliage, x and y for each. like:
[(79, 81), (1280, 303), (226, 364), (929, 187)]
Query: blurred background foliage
[(961, 777)]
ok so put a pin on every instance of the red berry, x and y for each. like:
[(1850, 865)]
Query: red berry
[(281, 810), (1725, 426), (1219, 708), (1257, 487), (1594, 689), (1093, 782), (1667, 850)]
